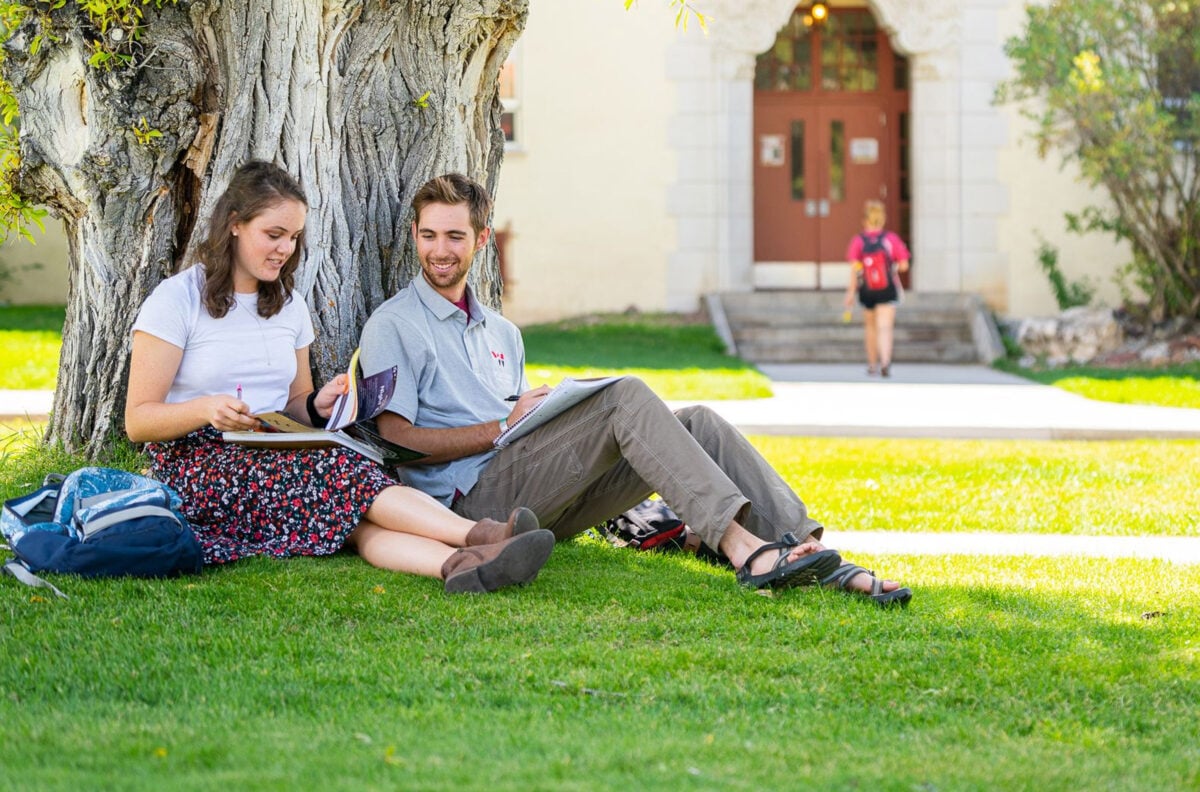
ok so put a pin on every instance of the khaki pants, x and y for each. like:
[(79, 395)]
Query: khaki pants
[(614, 449)]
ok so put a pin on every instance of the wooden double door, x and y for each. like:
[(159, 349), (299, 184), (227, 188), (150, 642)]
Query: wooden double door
[(830, 133), (815, 168)]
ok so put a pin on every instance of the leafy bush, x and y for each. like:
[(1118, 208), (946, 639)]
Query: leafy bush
[(1068, 294), (1114, 87)]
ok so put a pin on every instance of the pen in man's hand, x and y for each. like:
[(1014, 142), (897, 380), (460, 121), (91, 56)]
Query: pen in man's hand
[(512, 398), (239, 391)]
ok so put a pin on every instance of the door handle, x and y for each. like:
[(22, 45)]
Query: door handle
[(810, 208), (824, 208)]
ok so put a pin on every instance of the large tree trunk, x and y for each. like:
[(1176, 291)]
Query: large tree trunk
[(327, 90)]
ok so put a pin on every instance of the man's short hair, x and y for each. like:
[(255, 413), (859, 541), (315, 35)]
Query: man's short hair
[(454, 189)]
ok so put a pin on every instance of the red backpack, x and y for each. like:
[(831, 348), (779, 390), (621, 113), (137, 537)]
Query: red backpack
[(876, 259)]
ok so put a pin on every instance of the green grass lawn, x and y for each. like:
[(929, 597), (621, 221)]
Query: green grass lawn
[(1125, 488), (617, 669), (1116, 488), (1170, 386), (678, 358), (30, 339), (613, 670), (17, 435)]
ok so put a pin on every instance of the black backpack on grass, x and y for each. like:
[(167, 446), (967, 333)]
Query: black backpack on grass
[(652, 525)]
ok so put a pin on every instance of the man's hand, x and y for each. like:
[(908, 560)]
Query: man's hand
[(529, 399)]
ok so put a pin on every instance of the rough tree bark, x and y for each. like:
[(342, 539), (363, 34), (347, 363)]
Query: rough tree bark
[(329, 90)]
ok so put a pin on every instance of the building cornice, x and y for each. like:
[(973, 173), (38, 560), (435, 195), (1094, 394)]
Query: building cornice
[(741, 29)]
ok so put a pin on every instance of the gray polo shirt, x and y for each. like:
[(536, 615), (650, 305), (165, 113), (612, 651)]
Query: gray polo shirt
[(453, 372)]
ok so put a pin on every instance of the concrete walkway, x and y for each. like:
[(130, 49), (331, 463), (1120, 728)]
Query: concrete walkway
[(918, 400), (21, 404), (942, 401)]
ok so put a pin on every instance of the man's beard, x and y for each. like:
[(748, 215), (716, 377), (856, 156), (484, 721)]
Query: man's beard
[(445, 278)]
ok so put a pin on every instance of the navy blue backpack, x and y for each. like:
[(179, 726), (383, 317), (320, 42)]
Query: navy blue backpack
[(98, 522)]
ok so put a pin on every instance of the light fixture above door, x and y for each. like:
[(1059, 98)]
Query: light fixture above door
[(816, 15)]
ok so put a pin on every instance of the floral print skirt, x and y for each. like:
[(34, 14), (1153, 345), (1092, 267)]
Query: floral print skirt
[(244, 501)]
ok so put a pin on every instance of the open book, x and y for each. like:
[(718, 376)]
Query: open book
[(349, 424), (364, 399), (565, 395)]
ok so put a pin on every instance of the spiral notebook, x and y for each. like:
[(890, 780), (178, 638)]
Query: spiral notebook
[(565, 395)]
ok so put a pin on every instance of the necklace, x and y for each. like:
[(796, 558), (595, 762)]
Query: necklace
[(262, 333)]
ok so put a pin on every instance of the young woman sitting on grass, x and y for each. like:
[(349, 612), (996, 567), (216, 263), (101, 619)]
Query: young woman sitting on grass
[(228, 338)]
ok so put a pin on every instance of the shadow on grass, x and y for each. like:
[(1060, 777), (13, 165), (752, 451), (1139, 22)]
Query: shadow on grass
[(613, 668), (32, 317)]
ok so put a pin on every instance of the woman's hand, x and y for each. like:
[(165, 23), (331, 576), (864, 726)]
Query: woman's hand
[(329, 394), (228, 413)]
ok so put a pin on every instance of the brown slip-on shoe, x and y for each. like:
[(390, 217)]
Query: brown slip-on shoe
[(513, 562), (486, 532)]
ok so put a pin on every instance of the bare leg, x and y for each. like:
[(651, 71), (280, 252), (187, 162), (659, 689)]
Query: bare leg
[(737, 544), (399, 552), (885, 321), (411, 511), (870, 339)]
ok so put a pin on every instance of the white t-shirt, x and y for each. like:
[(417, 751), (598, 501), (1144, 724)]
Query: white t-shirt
[(239, 349)]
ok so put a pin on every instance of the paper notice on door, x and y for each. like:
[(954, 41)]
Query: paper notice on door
[(770, 150), (864, 151)]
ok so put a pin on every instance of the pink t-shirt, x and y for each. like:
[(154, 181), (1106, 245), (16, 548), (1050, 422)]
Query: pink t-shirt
[(894, 244)]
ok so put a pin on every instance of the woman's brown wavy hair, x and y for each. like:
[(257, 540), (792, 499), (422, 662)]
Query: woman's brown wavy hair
[(254, 188)]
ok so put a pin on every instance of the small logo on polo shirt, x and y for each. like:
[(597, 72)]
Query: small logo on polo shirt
[(498, 357)]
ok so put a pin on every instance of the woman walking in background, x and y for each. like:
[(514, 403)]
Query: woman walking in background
[(875, 256)]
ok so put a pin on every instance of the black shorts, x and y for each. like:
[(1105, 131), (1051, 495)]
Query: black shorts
[(869, 299)]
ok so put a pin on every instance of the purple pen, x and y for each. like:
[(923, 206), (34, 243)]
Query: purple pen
[(239, 391)]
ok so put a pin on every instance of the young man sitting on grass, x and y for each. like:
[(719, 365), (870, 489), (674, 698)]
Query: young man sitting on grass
[(462, 382)]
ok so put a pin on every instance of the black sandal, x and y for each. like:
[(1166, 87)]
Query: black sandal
[(804, 571), (842, 576)]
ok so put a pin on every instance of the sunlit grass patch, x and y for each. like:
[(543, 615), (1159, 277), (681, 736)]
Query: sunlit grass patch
[(29, 359), (1169, 386), (1117, 488), (1165, 391), (18, 435)]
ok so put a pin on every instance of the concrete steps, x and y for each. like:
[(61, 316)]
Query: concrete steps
[(807, 327)]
